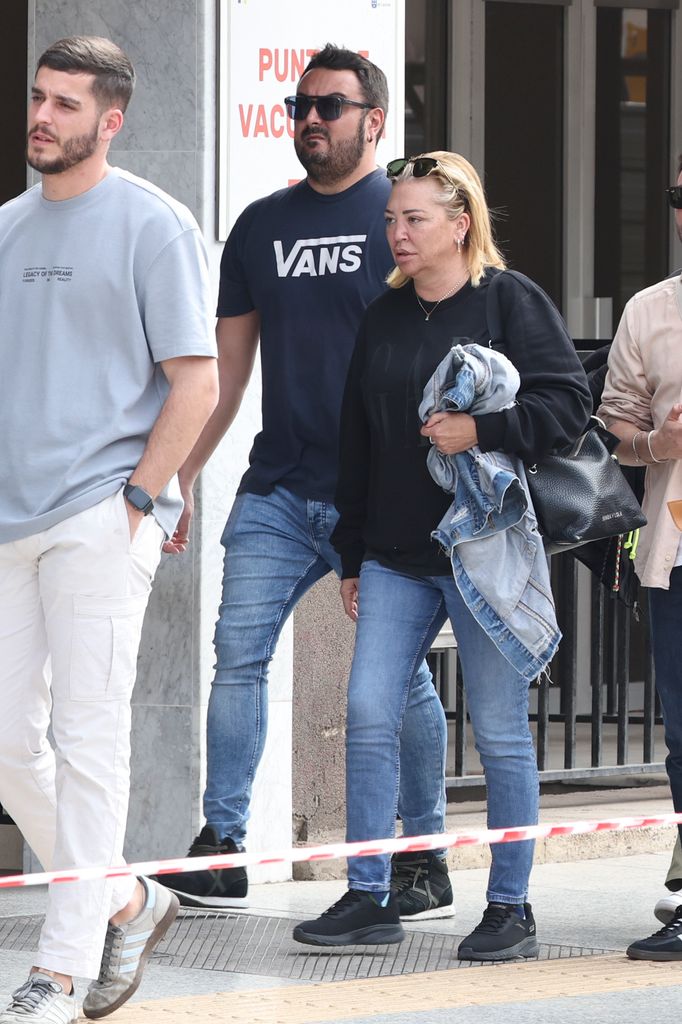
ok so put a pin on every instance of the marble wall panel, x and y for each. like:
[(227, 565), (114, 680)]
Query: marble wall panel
[(166, 674), (160, 37), (175, 172), (30, 38), (224, 470), (165, 774)]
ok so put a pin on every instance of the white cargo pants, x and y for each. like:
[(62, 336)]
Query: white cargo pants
[(72, 601)]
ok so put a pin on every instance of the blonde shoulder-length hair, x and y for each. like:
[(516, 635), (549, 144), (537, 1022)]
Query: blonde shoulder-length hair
[(460, 191)]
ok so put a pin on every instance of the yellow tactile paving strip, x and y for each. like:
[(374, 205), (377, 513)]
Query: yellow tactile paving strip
[(440, 990)]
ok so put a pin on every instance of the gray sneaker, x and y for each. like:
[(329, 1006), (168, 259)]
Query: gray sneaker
[(666, 908), (41, 1000), (126, 950)]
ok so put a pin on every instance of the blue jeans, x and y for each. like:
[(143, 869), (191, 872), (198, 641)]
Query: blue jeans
[(398, 618), (666, 620), (276, 547)]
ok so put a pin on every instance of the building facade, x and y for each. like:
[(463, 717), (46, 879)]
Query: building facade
[(570, 109)]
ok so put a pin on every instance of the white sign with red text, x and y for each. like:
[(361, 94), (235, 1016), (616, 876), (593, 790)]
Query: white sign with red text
[(264, 46)]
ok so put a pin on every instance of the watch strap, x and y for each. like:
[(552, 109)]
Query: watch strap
[(138, 498)]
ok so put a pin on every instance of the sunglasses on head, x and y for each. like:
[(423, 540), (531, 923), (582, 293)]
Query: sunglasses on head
[(674, 194), (421, 166), (330, 108)]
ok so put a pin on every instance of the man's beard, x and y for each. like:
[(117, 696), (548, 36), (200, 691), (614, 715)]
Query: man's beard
[(74, 151), (339, 160)]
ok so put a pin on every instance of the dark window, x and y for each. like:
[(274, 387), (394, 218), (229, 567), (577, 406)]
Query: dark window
[(426, 37), (13, 71), (632, 151), (524, 70)]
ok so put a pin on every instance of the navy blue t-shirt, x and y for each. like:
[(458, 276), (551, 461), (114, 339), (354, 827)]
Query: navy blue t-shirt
[(310, 264)]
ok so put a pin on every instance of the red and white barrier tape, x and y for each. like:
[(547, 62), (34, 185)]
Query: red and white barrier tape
[(334, 851)]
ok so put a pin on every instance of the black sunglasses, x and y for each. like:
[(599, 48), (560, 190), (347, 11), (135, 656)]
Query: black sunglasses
[(421, 166), (674, 194), (330, 108)]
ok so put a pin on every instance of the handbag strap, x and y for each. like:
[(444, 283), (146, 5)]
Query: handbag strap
[(493, 310), (495, 324), (493, 315)]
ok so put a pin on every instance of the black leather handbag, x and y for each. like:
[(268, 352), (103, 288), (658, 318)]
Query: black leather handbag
[(580, 494)]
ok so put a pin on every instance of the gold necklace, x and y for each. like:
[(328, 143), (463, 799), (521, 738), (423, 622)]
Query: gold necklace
[(429, 313)]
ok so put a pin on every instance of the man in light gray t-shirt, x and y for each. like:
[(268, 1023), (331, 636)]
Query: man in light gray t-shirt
[(107, 376)]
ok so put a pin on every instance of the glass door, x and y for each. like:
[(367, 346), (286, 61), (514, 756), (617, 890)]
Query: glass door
[(565, 107), (13, 74), (426, 93), (632, 151), (524, 136), (571, 118)]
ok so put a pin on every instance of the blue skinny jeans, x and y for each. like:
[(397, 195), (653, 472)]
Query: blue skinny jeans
[(276, 547), (399, 616)]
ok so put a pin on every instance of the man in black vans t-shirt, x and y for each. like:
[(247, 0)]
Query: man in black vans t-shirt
[(298, 270)]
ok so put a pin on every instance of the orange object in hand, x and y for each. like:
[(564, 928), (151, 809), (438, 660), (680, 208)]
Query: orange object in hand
[(675, 508)]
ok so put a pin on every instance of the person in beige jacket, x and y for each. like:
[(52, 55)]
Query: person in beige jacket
[(642, 404)]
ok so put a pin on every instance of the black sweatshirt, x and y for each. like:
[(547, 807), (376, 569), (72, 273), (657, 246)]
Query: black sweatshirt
[(386, 497)]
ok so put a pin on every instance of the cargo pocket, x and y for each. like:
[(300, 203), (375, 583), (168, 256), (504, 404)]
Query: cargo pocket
[(104, 645)]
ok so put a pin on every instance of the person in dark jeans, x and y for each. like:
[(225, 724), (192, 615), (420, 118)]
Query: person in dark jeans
[(641, 404)]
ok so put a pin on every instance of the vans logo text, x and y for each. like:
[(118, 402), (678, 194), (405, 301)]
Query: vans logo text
[(319, 256)]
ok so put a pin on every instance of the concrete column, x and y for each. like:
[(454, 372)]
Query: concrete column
[(323, 645)]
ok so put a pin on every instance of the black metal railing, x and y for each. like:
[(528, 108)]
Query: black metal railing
[(597, 715)]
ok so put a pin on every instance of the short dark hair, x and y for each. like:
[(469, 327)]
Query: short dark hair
[(372, 80), (94, 55)]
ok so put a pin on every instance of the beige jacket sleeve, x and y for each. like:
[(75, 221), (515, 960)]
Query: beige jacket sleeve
[(627, 394)]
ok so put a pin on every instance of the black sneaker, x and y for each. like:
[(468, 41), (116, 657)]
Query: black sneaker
[(225, 887), (665, 944), (356, 920), (501, 935), (421, 885)]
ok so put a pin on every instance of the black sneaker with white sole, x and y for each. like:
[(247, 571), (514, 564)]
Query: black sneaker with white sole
[(219, 889), (502, 935), (421, 885), (355, 920), (665, 944)]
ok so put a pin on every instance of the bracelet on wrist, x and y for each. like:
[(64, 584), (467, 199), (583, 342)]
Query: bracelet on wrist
[(638, 458), (648, 444)]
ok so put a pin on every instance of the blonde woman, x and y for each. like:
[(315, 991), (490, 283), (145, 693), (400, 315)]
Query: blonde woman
[(397, 584)]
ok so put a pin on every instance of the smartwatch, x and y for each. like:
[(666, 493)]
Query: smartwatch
[(138, 498)]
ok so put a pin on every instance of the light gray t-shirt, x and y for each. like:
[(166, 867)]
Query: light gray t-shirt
[(95, 292)]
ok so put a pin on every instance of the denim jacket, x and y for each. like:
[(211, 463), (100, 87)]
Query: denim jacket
[(490, 531)]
